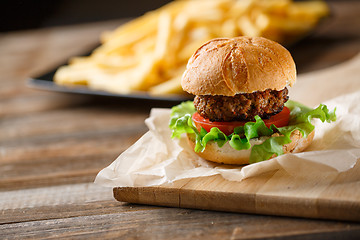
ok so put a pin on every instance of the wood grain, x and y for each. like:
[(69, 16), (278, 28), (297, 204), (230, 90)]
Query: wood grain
[(41, 150), (87, 210), (278, 194), (52, 145)]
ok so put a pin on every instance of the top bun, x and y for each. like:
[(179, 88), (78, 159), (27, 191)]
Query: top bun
[(229, 66)]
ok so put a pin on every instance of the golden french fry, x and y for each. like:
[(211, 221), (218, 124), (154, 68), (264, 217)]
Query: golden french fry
[(171, 86), (150, 53), (308, 10)]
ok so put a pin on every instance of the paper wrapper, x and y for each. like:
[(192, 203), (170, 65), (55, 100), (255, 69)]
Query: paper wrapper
[(156, 159)]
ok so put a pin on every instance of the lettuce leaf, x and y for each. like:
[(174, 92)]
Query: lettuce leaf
[(180, 119), (300, 119)]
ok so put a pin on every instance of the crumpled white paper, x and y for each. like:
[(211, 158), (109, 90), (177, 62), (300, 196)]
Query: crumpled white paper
[(156, 159)]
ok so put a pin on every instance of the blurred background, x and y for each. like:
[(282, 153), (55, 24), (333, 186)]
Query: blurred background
[(333, 41), (29, 14)]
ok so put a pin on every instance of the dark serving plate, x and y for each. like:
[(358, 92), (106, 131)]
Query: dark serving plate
[(45, 82)]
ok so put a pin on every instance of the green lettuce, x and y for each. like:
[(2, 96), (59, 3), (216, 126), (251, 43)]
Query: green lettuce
[(300, 119)]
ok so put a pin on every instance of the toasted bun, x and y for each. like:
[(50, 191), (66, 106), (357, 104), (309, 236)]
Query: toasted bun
[(227, 155), (229, 66)]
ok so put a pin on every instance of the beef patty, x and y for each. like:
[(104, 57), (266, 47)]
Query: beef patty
[(241, 106)]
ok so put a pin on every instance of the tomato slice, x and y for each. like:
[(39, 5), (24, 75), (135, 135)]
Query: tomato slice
[(279, 120)]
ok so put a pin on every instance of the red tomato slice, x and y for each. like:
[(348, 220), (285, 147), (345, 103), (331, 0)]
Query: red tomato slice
[(279, 120)]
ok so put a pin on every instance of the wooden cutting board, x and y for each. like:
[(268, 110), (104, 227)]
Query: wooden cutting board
[(325, 196), (275, 193)]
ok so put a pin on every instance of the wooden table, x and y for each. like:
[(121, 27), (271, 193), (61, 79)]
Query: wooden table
[(52, 145)]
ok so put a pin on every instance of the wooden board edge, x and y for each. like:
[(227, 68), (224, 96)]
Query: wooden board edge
[(245, 202)]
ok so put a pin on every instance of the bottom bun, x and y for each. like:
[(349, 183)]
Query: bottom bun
[(228, 155)]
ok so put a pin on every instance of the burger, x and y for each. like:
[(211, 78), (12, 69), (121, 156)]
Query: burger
[(241, 112)]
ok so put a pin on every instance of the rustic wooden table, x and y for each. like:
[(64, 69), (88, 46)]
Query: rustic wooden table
[(52, 145)]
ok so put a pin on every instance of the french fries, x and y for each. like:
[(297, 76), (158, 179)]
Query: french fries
[(150, 53)]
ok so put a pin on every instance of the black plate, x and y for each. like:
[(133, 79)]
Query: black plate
[(46, 82)]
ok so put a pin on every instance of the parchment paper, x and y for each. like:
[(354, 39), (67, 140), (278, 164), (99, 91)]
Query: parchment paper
[(157, 159)]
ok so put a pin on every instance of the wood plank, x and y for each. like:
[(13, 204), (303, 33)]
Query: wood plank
[(11, 216), (88, 210), (59, 202), (37, 151), (53, 195), (30, 101), (274, 194), (166, 223), (76, 159), (73, 120)]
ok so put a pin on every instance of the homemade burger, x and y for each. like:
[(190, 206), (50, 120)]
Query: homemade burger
[(241, 113)]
